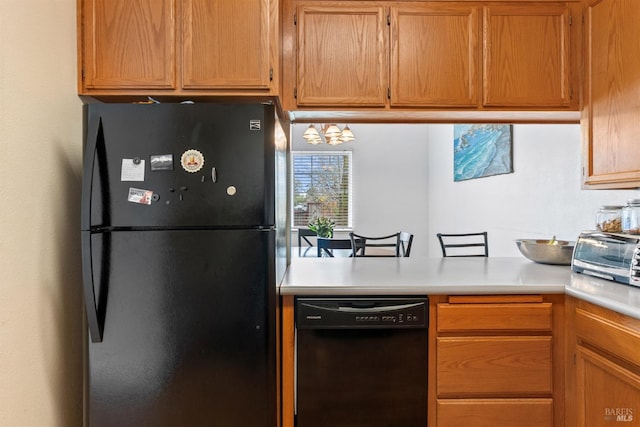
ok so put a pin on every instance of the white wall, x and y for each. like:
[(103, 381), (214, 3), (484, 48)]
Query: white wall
[(540, 199), (41, 333), (403, 179), (390, 175)]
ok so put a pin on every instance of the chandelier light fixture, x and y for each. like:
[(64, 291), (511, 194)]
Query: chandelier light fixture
[(330, 132)]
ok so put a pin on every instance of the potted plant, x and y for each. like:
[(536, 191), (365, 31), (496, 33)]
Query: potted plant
[(322, 226)]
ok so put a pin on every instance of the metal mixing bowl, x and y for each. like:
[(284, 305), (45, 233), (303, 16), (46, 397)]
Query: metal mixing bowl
[(557, 252)]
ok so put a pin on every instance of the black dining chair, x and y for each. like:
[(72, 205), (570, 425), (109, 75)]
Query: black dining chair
[(464, 244), (379, 246), (405, 240), (326, 246), (303, 239)]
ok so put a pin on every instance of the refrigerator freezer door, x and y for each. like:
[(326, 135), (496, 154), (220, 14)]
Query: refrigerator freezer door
[(179, 165), (189, 329)]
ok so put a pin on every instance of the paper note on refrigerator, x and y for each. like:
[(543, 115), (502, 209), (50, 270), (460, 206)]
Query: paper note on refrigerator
[(132, 170)]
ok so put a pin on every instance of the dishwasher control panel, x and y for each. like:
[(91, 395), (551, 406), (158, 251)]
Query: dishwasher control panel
[(361, 312)]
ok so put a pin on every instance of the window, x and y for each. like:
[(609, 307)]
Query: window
[(322, 187)]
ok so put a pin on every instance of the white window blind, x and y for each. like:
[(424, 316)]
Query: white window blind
[(322, 187)]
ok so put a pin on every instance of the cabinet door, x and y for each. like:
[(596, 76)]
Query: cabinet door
[(607, 393), (435, 55), (612, 93), (342, 55), (225, 44), (128, 44), (526, 55)]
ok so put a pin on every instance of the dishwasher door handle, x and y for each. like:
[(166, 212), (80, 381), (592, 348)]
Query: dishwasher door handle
[(363, 308)]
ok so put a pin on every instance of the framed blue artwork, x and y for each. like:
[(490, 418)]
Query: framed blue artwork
[(481, 150)]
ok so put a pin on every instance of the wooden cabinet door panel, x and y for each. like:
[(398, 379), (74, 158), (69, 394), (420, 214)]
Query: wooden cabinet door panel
[(435, 55), (495, 412), (607, 393), (612, 94), (129, 43), (607, 334), (526, 55), (482, 366), (342, 55), (494, 317), (225, 44)]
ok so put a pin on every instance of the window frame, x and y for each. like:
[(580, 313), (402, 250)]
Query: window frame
[(350, 190)]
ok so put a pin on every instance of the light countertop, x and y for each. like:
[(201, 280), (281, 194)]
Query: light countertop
[(452, 276)]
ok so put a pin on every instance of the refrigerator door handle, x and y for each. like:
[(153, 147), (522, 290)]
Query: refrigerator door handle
[(93, 132), (95, 329)]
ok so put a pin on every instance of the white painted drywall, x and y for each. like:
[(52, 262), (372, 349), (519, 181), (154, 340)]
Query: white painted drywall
[(41, 316)]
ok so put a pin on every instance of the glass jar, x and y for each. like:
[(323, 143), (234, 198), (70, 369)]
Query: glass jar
[(609, 219), (631, 217)]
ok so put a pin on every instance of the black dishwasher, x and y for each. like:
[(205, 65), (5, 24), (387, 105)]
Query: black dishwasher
[(361, 362)]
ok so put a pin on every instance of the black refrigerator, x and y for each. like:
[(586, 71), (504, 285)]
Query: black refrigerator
[(183, 227)]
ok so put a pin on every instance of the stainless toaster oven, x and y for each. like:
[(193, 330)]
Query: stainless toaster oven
[(611, 256)]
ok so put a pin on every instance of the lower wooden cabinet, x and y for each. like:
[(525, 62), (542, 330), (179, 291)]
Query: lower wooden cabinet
[(604, 378), (497, 361), (608, 393)]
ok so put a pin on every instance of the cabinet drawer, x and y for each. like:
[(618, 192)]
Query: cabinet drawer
[(495, 412), (494, 317), (496, 366)]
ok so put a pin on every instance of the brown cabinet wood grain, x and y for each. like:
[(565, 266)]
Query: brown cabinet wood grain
[(409, 55), (604, 379), (495, 317), (435, 55), (178, 47), (498, 360), (128, 44), (225, 44), (342, 54), (611, 106), (505, 366), (608, 393), (495, 412), (526, 55)]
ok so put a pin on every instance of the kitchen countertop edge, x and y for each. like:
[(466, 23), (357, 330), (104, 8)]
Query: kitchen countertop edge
[(452, 276)]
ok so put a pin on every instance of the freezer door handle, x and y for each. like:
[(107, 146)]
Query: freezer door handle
[(93, 133), (95, 328)]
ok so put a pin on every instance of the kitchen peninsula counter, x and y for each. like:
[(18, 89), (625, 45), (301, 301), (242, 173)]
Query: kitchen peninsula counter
[(452, 276)]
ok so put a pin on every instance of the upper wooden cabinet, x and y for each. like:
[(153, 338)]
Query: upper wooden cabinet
[(435, 55), (611, 108), (178, 47), (526, 56), (439, 54), (128, 44), (225, 44), (342, 56)]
